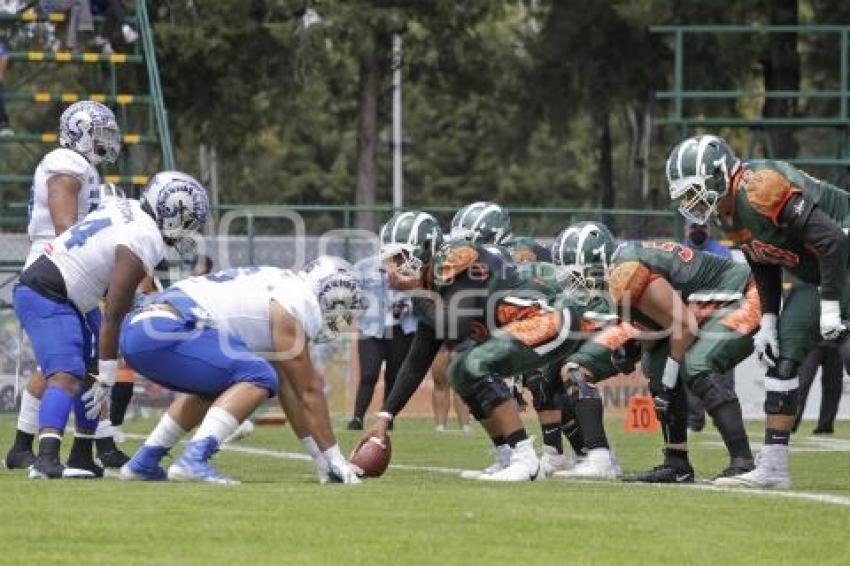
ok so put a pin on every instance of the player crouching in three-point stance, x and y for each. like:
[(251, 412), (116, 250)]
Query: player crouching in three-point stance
[(781, 218), (108, 253), (230, 340)]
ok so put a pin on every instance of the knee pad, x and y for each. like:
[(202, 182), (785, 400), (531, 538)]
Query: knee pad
[(711, 390), (782, 388), (486, 394)]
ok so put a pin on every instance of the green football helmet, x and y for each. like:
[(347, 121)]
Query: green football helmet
[(583, 252), (482, 222), (415, 234), (699, 172)]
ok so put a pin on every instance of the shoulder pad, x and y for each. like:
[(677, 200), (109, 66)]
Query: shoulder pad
[(767, 191), (63, 161), (454, 259), (628, 278)]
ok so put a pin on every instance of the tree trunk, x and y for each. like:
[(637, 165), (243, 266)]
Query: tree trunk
[(605, 155), (367, 139), (781, 64)]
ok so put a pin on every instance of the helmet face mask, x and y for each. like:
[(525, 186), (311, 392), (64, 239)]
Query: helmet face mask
[(408, 242), (338, 293), (583, 253), (696, 202)]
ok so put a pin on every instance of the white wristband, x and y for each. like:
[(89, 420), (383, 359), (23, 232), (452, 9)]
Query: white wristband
[(311, 447), (832, 308), (671, 374), (106, 371), (386, 416)]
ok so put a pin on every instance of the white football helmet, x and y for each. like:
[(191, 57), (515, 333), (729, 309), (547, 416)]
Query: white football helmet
[(338, 292), (90, 129), (180, 207)]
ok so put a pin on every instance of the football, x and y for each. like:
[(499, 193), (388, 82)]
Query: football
[(371, 457)]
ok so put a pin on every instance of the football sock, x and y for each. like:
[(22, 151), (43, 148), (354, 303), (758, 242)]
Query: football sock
[(553, 436), (676, 458), (55, 408), (83, 425), (81, 449), (217, 423), (311, 447), (589, 417), (773, 436), (166, 434), (516, 437), (574, 435), (122, 393), (728, 420), (28, 415), (49, 444), (23, 440)]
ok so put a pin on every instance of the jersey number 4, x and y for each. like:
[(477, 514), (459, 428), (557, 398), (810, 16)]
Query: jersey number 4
[(84, 230)]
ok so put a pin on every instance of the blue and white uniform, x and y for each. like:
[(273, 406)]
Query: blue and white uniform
[(221, 333), (84, 257), (60, 161)]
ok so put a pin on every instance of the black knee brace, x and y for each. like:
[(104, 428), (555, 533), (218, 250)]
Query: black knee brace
[(783, 402), (712, 391), (485, 395)]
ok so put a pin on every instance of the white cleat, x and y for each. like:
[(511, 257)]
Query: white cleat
[(771, 471), (524, 465), (599, 464), (501, 460), (551, 461)]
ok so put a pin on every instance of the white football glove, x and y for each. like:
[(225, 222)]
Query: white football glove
[(766, 341), (339, 470), (831, 326), (98, 395)]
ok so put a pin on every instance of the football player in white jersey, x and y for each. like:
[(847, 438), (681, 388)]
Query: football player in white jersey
[(65, 188), (105, 255), (229, 341)]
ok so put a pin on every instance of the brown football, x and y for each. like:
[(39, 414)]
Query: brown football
[(371, 457)]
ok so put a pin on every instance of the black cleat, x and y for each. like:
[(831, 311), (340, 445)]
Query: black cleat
[(47, 466), (737, 467), (664, 473), (112, 458), (19, 458), (81, 468), (355, 424), (824, 430)]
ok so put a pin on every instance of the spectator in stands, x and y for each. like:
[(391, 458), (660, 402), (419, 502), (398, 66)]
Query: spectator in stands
[(114, 13), (827, 357), (698, 237), (79, 18), (385, 334), (5, 130)]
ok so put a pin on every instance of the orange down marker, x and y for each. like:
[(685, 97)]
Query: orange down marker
[(640, 415)]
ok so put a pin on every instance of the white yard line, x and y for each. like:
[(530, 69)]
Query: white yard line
[(823, 498)]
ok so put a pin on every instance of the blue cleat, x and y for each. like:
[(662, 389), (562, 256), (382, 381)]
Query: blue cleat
[(193, 465), (144, 465)]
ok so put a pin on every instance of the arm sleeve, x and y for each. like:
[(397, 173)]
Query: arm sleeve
[(769, 283), (825, 239), (423, 350)]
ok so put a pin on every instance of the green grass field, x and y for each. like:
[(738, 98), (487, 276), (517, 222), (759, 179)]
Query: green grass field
[(281, 515)]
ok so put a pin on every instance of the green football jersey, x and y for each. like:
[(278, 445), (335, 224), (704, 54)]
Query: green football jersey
[(760, 193)]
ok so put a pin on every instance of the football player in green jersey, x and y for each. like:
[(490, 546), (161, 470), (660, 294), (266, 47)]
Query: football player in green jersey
[(781, 218), (697, 313)]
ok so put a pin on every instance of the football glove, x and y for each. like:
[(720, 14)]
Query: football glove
[(831, 326), (99, 393), (339, 470), (766, 341)]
